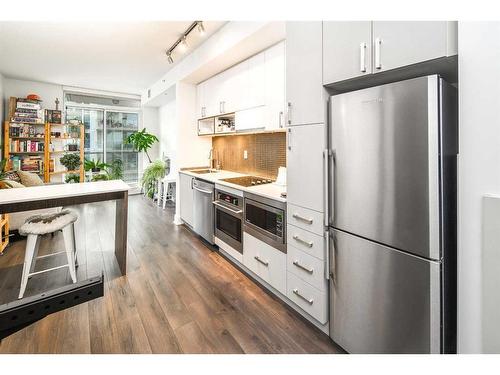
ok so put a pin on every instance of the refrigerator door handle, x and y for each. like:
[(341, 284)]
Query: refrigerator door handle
[(331, 187), (326, 168), (327, 254)]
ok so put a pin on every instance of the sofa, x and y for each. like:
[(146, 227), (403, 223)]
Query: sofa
[(23, 179)]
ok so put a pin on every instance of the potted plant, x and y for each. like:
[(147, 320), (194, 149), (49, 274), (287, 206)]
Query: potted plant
[(142, 141), (71, 161), (94, 166), (116, 170), (4, 181), (72, 178), (152, 173)]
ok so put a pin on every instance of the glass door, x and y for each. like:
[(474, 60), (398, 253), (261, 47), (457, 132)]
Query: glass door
[(119, 125)]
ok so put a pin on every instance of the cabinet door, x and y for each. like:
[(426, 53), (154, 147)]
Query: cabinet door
[(275, 86), (304, 82), (305, 168), (254, 79), (346, 50), (212, 95), (200, 100), (402, 43), (186, 199)]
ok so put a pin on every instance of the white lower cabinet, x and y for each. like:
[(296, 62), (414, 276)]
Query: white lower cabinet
[(310, 299), (306, 267), (310, 243), (305, 218), (186, 198), (265, 261)]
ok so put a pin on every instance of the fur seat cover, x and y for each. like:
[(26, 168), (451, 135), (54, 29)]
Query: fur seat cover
[(47, 223)]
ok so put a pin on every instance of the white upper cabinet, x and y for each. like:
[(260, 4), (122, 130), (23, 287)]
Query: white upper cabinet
[(304, 82), (346, 50), (254, 87), (354, 49), (275, 86), (397, 44)]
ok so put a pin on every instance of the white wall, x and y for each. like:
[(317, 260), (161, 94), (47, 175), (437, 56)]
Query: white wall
[(150, 121), (179, 138), (479, 164), (48, 92)]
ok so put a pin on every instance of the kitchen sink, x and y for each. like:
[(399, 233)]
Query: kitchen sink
[(204, 171)]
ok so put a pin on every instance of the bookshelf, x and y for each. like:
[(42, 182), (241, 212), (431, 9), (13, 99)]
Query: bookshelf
[(4, 232), (49, 148), (56, 149)]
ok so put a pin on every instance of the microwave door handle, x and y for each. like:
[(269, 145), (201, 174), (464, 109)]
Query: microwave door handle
[(216, 203)]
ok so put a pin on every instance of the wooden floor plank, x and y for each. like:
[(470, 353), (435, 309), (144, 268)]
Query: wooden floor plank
[(178, 296)]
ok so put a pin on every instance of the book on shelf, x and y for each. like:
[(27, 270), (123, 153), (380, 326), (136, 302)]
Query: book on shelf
[(25, 131), (53, 116), (25, 110), (18, 145), (33, 164)]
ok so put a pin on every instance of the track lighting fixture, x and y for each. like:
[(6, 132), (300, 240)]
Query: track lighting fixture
[(182, 41), (201, 29), (169, 57)]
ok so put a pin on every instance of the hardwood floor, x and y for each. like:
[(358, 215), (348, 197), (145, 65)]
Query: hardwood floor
[(178, 296)]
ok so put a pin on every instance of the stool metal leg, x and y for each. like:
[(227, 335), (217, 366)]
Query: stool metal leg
[(69, 244), (166, 186), (32, 244)]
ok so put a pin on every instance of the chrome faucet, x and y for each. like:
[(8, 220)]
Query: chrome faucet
[(210, 158)]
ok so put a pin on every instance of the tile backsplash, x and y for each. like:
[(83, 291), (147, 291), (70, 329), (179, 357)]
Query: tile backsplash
[(266, 152)]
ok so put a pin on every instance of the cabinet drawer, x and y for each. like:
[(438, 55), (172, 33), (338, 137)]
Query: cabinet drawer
[(266, 261), (307, 297), (306, 267), (304, 218), (308, 242)]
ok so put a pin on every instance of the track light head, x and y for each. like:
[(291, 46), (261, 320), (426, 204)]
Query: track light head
[(201, 29), (169, 57), (183, 44)]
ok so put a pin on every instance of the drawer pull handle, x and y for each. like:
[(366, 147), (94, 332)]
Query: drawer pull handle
[(261, 261), (303, 242), (297, 293), (304, 219), (298, 265)]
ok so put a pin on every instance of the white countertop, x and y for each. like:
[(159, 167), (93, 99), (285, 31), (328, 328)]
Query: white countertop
[(44, 192), (271, 191)]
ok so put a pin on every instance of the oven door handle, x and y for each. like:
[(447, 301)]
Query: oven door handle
[(216, 203)]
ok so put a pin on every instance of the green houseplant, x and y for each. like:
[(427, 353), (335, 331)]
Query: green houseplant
[(4, 182), (72, 178), (142, 141), (152, 173), (94, 165), (116, 172), (71, 161)]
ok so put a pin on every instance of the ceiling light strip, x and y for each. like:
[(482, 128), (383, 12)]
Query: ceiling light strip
[(183, 39)]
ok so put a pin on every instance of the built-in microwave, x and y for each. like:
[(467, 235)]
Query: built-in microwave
[(265, 219), (228, 219)]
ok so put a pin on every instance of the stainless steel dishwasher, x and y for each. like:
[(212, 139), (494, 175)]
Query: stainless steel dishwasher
[(203, 209)]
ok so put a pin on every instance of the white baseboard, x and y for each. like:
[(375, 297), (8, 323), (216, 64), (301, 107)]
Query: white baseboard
[(178, 220)]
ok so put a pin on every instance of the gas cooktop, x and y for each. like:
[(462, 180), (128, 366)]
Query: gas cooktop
[(248, 180)]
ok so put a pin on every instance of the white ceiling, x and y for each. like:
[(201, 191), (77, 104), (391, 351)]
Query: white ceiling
[(115, 56)]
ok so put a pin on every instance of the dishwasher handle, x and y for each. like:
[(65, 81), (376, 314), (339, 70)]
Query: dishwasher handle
[(202, 190)]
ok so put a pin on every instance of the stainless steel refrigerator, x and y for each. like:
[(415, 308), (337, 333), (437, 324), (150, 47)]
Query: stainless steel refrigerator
[(392, 217)]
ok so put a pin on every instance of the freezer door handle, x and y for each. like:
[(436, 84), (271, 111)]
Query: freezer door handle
[(331, 257), (327, 255)]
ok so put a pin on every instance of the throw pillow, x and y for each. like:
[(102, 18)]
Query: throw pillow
[(13, 176), (14, 184), (29, 179)]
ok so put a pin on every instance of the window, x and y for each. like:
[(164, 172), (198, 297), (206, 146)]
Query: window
[(108, 122)]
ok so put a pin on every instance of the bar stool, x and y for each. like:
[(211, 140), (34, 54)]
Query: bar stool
[(164, 186), (39, 225)]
